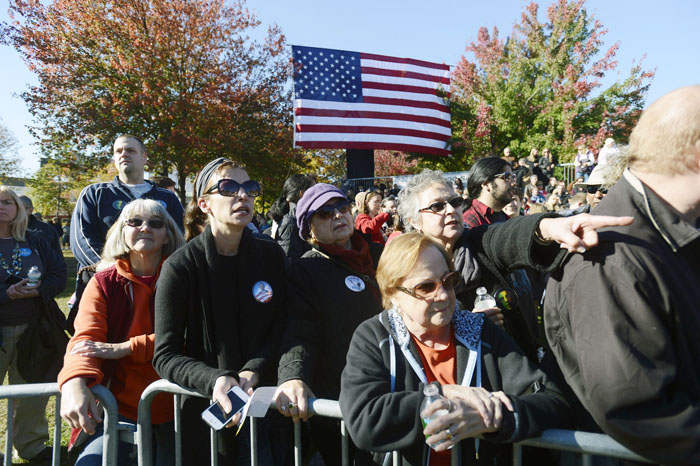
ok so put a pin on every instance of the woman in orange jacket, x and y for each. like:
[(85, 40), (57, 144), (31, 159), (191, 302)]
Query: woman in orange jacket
[(114, 340)]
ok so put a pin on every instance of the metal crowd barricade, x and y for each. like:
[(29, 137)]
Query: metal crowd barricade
[(108, 403), (586, 444)]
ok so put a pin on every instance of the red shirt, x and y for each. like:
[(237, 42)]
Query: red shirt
[(481, 214)]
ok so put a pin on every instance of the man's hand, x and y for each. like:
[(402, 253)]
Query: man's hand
[(578, 232)]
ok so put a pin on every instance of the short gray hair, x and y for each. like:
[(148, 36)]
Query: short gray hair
[(115, 245), (409, 209)]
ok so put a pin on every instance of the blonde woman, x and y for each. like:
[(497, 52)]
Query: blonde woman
[(114, 332), (20, 304)]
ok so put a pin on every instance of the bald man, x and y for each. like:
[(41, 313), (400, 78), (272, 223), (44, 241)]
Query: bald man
[(622, 319)]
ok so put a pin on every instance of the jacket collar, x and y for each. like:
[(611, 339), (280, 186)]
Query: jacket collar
[(666, 220), (467, 327)]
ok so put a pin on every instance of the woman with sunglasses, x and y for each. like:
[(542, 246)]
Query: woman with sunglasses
[(490, 387), (220, 312), (113, 340), (488, 255), (331, 291)]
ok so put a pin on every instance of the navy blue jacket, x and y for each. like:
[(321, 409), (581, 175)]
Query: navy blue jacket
[(99, 206)]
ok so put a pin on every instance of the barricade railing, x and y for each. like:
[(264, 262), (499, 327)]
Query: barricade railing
[(107, 401), (587, 444)]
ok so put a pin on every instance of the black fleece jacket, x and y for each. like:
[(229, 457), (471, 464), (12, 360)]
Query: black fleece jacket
[(190, 349), (382, 421)]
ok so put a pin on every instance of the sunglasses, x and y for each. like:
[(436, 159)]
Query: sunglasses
[(439, 206), (154, 223), (594, 188), (505, 176), (328, 210), (230, 188), (427, 290)]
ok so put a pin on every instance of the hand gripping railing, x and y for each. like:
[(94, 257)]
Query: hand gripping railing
[(108, 403)]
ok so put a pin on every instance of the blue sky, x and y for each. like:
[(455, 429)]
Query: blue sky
[(436, 31)]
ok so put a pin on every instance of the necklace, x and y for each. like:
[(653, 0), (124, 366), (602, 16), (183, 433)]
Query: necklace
[(16, 267)]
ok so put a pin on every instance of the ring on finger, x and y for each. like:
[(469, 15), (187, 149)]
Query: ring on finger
[(450, 436), (284, 407), (291, 405), (490, 394)]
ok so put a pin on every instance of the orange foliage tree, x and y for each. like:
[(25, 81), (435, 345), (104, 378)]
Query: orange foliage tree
[(182, 74)]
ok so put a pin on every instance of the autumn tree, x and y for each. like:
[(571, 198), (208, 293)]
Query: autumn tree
[(181, 74), (9, 163), (391, 162), (542, 87)]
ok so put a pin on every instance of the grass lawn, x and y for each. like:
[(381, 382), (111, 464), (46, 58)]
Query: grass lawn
[(62, 301)]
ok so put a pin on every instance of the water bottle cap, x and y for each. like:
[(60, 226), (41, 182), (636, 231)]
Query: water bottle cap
[(481, 290), (430, 390)]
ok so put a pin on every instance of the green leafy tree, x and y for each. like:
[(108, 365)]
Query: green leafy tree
[(541, 87), (53, 189), (181, 74), (9, 163)]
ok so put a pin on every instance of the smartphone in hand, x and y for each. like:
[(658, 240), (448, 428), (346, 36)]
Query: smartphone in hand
[(216, 417)]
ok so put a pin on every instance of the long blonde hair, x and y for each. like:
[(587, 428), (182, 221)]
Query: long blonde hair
[(18, 226)]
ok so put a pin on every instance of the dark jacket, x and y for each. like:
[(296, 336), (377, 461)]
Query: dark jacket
[(495, 258), (383, 420), (190, 350), (207, 327), (288, 235), (52, 235), (323, 314), (99, 206), (53, 280), (623, 322)]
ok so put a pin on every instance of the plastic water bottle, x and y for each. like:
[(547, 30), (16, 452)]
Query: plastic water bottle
[(483, 299), (34, 275), (431, 394)]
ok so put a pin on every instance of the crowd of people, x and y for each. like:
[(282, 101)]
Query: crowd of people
[(369, 297)]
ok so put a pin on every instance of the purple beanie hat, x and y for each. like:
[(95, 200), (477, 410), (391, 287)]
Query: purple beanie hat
[(313, 198)]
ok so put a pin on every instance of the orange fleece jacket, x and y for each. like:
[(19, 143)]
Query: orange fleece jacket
[(132, 373)]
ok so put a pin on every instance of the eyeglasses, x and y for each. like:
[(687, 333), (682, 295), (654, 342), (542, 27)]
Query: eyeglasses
[(328, 210), (594, 188), (439, 206), (230, 188), (427, 290), (154, 223), (506, 176)]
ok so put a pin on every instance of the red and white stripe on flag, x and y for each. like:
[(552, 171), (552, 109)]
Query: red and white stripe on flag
[(353, 100)]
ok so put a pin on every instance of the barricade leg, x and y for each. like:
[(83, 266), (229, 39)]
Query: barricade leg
[(517, 455), (253, 442), (214, 448), (345, 445), (396, 458), (9, 434), (56, 459), (297, 443), (586, 460), (178, 430)]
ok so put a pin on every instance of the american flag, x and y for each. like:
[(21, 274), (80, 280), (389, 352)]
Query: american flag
[(354, 100)]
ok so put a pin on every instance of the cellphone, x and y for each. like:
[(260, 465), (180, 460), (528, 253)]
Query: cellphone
[(12, 279), (216, 417)]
